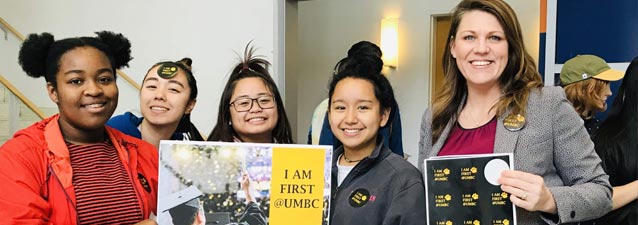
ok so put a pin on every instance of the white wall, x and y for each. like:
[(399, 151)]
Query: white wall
[(327, 28), (209, 32)]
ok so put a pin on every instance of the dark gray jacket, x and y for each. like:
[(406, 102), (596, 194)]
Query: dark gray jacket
[(382, 189)]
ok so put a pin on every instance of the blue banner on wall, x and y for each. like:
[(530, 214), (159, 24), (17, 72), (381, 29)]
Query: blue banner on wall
[(608, 29)]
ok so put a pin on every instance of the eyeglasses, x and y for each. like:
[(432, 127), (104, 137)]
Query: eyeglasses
[(245, 104)]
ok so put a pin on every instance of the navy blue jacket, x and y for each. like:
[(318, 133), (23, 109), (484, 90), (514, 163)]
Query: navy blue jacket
[(127, 123)]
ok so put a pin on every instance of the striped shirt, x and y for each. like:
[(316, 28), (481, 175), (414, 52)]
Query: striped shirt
[(103, 189)]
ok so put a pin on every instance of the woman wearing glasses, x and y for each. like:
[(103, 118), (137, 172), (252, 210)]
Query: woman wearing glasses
[(251, 108)]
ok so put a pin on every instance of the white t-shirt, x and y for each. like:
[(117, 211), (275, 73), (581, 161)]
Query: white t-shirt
[(342, 172)]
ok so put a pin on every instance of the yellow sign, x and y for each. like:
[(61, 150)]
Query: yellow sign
[(297, 186)]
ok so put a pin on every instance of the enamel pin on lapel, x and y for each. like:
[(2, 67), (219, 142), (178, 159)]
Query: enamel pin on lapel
[(514, 122)]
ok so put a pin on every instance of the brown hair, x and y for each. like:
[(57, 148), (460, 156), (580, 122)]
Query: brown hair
[(584, 95), (518, 79)]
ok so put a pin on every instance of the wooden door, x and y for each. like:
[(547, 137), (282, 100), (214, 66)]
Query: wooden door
[(439, 36)]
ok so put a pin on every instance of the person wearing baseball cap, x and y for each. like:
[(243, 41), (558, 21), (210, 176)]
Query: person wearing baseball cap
[(586, 80)]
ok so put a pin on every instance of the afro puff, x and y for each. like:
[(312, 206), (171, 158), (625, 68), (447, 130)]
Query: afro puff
[(119, 46), (33, 54), (40, 54)]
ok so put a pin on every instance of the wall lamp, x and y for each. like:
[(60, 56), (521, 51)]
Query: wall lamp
[(390, 42)]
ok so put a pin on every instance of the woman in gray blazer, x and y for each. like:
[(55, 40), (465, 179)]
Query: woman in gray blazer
[(494, 102)]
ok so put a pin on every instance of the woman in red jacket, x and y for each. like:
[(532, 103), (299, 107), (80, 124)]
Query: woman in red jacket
[(71, 168)]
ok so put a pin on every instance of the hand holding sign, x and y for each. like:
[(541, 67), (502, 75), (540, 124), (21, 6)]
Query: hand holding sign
[(528, 191)]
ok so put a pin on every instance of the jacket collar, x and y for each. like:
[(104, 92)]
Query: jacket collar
[(505, 141), (58, 155), (379, 153), (57, 152)]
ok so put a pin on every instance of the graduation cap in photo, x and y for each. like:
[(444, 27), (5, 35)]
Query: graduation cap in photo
[(182, 205)]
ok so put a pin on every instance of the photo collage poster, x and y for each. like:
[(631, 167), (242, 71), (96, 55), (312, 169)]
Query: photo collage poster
[(289, 184)]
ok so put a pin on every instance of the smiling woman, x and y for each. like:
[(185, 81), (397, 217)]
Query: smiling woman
[(373, 185), (480, 49), (71, 168), (85, 71), (251, 108), (490, 79), (168, 96)]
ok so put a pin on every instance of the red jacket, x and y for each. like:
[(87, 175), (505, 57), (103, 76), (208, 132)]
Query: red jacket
[(36, 175)]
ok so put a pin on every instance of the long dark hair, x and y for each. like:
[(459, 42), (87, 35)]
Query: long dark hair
[(616, 140), (518, 79), (250, 66)]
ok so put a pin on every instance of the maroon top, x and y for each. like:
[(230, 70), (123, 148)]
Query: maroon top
[(463, 141), (103, 189)]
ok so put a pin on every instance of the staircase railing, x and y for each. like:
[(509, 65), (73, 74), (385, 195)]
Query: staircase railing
[(11, 29), (21, 37), (22, 98)]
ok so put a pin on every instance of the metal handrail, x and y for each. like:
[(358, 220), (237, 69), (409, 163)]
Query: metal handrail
[(22, 38), (22, 98)]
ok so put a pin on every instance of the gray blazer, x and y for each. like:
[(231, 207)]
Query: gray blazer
[(553, 144)]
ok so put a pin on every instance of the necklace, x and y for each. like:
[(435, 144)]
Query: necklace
[(481, 119), (476, 123), (351, 161)]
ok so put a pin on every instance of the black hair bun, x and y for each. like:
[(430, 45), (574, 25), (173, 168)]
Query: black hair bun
[(365, 57), (365, 48), (33, 54), (187, 62), (119, 46)]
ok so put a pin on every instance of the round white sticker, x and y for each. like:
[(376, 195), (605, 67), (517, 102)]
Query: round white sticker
[(493, 170)]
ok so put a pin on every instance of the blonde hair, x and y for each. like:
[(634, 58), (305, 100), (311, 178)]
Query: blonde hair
[(584, 96)]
